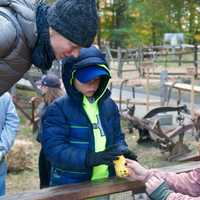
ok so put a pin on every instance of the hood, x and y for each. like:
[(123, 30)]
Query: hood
[(88, 57)]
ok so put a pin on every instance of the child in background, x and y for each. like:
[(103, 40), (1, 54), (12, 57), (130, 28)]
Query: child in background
[(50, 87), (82, 133)]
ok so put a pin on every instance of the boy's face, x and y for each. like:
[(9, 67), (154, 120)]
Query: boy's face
[(87, 89), (62, 47)]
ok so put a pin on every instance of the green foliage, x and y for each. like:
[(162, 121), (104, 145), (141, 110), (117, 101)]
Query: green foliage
[(129, 23), (132, 22)]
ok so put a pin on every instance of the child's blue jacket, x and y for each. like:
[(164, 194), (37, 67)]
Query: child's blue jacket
[(67, 132)]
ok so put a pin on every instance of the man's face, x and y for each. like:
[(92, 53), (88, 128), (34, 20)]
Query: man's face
[(63, 47), (87, 89)]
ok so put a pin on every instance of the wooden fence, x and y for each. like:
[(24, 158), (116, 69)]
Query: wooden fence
[(93, 189), (152, 55)]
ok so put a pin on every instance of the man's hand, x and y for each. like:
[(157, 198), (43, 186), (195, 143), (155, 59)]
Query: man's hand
[(130, 155)]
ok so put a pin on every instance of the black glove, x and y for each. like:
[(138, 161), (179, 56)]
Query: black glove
[(130, 155), (125, 151), (104, 157)]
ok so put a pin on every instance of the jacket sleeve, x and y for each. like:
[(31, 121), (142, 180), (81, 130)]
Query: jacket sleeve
[(11, 124), (8, 38), (15, 47), (185, 185), (55, 141), (118, 135), (25, 12), (179, 196)]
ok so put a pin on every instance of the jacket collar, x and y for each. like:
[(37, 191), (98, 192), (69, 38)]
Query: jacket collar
[(42, 55)]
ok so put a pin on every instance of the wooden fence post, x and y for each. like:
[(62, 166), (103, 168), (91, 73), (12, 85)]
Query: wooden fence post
[(196, 60), (180, 56), (163, 88), (191, 73), (119, 61)]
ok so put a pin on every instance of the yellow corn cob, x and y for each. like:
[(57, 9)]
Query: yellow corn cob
[(120, 168)]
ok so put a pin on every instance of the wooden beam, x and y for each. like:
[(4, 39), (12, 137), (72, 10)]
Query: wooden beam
[(81, 191), (138, 102), (183, 167), (92, 189), (183, 86)]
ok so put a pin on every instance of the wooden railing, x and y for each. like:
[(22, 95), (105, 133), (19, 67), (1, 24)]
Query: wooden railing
[(92, 189), (151, 56), (80, 191)]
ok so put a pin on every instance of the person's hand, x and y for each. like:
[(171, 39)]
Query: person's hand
[(157, 188), (135, 170), (130, 155), (125, 151), (104, 157)]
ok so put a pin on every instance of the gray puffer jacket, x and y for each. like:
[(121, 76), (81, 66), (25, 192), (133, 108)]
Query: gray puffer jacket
[(17, 38)]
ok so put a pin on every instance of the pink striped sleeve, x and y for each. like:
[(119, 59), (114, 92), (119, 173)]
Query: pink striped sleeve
[(182, 184), (179, 196)]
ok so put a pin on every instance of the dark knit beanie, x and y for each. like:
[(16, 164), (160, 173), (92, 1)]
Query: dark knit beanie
[(76, 20)]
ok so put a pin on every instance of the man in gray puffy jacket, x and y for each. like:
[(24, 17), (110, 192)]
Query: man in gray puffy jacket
[(35, 33)]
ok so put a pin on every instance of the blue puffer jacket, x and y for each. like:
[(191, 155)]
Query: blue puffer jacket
[(68, 133)]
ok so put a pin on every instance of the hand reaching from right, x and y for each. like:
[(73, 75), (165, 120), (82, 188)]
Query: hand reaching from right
[(136, 171)]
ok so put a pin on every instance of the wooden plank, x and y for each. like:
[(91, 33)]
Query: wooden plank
[(81, 191), (191, 157), (138, 102), (92, 189), (183, 86), (183, 167), (135, 81)]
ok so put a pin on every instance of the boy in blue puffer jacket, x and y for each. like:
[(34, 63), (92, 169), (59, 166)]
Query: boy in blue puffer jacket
[(81, 132)]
